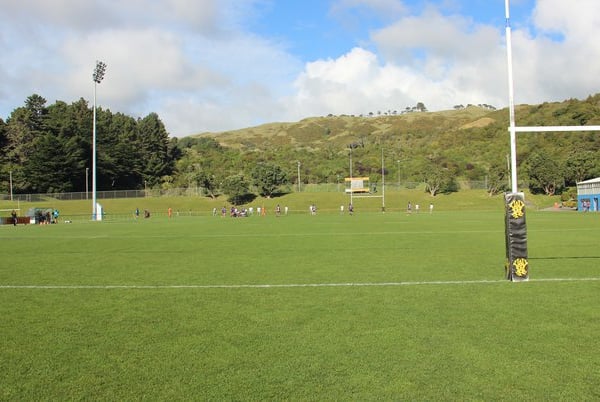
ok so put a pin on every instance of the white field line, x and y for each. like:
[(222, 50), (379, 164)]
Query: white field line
[(296, 285), (298, 235)]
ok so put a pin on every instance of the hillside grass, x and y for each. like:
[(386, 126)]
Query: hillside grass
[(342, 129), (373, 306)]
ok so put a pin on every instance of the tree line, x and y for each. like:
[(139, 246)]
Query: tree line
[(48, 148)]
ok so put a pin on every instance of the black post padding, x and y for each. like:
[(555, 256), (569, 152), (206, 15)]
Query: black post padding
[(517, 264)]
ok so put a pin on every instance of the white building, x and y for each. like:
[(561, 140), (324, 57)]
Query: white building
[(588, 195)]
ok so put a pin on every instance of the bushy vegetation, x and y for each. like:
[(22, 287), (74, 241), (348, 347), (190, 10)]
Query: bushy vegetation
[(48, 149)]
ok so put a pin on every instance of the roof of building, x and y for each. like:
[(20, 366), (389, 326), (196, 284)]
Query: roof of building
[(596, 180)]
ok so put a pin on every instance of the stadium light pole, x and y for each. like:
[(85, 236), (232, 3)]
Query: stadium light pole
[(87, 182), (97, 77)]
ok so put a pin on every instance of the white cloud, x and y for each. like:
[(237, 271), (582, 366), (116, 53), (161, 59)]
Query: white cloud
[(206, 16), (195, 63), (164, 54), (448, 60), (455, 63), (562, 60), (575, 20)]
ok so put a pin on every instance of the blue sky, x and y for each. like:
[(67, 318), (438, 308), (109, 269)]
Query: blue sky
[(217, 65), (315, 29)]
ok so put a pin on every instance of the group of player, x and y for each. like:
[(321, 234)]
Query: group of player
[(234, 212), (409, 207)]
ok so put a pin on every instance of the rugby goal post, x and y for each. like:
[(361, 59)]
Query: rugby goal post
[(360, 187), (517, 264), (356, 185)]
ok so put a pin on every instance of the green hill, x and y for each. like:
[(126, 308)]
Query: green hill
[(470, 143), (319, 132)]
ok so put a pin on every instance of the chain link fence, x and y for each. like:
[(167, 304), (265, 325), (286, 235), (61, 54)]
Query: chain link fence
[(199, 191)]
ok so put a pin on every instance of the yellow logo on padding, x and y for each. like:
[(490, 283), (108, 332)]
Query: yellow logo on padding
[(517, 208), (520, 266)]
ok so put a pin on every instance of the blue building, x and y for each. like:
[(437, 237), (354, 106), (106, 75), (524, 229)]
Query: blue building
[(588, 195)]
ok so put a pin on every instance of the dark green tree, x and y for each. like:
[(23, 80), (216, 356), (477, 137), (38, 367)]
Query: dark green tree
[(237, 189), (58, 163), (209, 184), (173, 151), (78, 136), (4, 171), (438, 175), (497, 178), (440, 180), (3, 138), (107, 141), (154, 142), (24, 125), (50, 166), (125, 156), (581, 165), (545, 173), (268, 178), (205, 179)]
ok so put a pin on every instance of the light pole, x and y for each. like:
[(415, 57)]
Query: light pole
[(87, 191), (97, 76), (298, 176), (11, 193)]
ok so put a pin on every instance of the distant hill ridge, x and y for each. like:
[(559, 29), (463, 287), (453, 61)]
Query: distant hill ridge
[(471, 144), (342, 129)]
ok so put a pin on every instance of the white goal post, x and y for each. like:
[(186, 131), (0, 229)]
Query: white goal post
[(513, 129), (516, 264), (544, 129), (357, 185), (362, 186)]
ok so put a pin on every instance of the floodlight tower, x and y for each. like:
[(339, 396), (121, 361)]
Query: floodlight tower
[(97, 77)]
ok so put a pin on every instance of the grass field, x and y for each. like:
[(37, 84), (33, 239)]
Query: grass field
[(328, 307)]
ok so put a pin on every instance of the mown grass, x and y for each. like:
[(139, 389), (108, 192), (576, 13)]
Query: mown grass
[(219, 313), (395, 201)]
